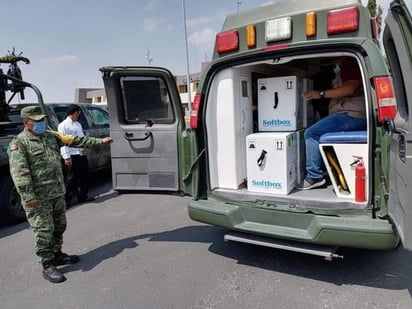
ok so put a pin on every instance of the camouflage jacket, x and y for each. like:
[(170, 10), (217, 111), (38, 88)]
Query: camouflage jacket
[(35, 164)]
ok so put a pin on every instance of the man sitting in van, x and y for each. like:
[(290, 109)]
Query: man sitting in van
[(346, 113)]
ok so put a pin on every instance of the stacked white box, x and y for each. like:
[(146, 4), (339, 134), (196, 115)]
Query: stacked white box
[(271, 162), (231, 119), (280, 103)]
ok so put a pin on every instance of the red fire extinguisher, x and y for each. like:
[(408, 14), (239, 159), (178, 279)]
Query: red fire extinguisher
[(360, 180)]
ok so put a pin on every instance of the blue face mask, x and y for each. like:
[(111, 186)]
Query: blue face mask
[(336, 69), (39, 127)]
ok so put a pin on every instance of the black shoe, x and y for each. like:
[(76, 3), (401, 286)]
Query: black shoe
[(68, 199), (61, 258), (86, 199), (51, 273)]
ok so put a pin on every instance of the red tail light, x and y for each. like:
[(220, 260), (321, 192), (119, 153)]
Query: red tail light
[(195, 111), (374, 25), (386, 98), (343, 20), (227, 41)]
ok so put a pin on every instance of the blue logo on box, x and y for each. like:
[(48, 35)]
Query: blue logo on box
[(277, 123), (266, 184)]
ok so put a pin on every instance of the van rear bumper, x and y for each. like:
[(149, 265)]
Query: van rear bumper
[(346, 231)]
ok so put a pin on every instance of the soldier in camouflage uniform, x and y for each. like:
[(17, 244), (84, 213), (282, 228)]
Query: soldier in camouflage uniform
[(35, 167)]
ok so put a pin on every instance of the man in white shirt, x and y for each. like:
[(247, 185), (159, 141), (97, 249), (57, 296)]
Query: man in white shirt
[(75, 159)]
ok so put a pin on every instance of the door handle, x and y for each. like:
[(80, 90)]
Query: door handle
[(402, 148), (129, 136)]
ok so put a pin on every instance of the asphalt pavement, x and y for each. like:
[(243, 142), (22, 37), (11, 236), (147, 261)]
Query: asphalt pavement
[(141, 250)]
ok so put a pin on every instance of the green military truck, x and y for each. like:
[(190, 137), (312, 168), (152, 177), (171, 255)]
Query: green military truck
[(10, 83), (94, 121), (245, 152)]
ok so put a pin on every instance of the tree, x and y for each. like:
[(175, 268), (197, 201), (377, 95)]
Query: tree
[(375, 11)]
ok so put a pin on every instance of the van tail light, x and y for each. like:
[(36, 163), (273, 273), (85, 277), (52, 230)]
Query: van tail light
[(227, 41), (386, 98), (195, 111), (374, 25), (343, 20)]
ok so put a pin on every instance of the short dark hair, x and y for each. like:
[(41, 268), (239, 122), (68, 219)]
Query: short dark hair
[(72, 109)]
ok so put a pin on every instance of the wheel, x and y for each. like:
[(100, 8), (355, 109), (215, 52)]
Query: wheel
[(11, 210), (398, 241)]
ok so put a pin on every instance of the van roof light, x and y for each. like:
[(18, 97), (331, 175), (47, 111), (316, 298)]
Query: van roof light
[(343, 20), (227, 41), (251, 36), (276, 47), (310, 24), (278, 29)]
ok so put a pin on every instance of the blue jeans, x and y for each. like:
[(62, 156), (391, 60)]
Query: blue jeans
[(333, 123)]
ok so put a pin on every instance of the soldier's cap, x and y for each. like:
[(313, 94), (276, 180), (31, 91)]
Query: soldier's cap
[(32, 112)]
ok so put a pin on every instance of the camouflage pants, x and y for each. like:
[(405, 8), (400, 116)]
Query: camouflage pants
[(48, 221)]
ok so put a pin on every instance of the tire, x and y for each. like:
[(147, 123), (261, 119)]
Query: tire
[(11, 210), (398, 241)]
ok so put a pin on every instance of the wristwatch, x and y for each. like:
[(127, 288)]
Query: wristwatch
[(322, 94)]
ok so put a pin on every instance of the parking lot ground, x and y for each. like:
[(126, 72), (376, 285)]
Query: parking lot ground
[(143, 251)]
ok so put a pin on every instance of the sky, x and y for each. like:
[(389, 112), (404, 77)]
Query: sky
[(68, 41)]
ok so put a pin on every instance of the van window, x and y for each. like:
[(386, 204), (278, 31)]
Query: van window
[(99, 116), (52, 121), (61, 113), (144, 99)]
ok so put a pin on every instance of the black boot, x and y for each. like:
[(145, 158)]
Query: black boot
[(61, 258), (51, 273), (85, 199), (68, 200)]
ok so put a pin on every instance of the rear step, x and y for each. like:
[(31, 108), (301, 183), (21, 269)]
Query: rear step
[(326, 251)]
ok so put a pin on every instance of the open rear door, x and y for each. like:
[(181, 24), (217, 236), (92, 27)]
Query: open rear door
[(397, 40), (146, 124)]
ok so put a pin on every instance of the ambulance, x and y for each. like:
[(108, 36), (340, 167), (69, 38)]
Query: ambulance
[(244, 151)]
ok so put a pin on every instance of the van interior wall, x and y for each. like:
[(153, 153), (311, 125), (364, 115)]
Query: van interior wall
[(231, 116)]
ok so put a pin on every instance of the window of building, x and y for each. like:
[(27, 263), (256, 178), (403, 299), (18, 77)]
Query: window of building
[(195, 86), (183, 88)]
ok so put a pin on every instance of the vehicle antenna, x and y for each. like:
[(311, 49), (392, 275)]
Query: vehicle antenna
[(149, 57)]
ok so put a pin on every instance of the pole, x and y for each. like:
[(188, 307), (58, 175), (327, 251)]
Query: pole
[(189, 96)]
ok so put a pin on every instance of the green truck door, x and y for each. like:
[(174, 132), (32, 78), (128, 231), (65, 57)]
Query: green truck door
[(397, 39), (145, 120)]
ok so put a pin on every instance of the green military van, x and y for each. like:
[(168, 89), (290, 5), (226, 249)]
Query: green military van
[(244, 152)]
